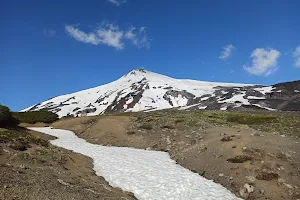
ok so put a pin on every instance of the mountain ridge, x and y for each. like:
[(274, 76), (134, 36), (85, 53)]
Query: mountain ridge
[(142, 90)]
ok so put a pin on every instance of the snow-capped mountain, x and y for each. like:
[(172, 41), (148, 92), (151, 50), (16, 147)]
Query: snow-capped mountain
[(141, 90)]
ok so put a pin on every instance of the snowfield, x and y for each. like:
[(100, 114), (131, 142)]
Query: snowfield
[(148, 174)]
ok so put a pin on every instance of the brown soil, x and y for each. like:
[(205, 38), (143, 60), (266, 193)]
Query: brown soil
[(48, 172), (105, 130), (245, 158), (39, 124)]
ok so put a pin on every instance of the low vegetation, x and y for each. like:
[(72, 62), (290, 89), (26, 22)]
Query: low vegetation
[(167, 126), (280, 122), (19, 139), (250, 119), (240, 159), (6, 118), (36, 116), (146, 126)]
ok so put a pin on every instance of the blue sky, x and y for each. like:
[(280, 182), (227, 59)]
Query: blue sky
[(49, 48)]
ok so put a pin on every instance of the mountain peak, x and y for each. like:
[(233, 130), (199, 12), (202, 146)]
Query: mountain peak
[(139, 74), (143, 90), (139, 70), (136, 72)]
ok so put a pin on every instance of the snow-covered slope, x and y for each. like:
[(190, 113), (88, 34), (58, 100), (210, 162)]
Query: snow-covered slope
[(141, 90)]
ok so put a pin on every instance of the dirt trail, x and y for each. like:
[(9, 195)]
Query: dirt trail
[(252, 164)]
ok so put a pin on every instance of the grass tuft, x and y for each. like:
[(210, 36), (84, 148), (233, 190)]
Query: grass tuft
[(240, 159), (130, 132), (167, 127), (146, 126), (250, 119), (177, 121)]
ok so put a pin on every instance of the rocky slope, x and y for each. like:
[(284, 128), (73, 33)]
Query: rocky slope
[(141, 90)]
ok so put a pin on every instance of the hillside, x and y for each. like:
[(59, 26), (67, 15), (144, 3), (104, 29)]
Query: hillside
[(240, 150)]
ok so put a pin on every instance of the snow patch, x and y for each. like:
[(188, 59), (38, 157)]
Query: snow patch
[(148, 174), (253, 97), (237, 98), (264, 107), (204, 98), (265, 90), (223, 108), (202, 107)]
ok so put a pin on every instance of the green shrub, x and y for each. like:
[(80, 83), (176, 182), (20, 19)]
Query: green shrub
[(177, 121), (6, 118), (36, 116), (146, 126), (167, 126), (130, 132), (240, 159), (250, 119), (19, 146)]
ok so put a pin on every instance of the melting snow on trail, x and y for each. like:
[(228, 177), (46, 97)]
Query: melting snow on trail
[(147, 174)]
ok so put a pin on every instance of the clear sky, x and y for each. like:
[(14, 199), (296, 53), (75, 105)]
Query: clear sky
[(50, 48)]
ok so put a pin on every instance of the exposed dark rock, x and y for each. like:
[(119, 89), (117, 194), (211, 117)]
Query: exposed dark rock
[(290, 86), (134, 72), (56, 110), (118, 104), (68, 99), (213, 106), (102, 98), (112, 107), (34, 107), (76, 109), (175, 93), (86, 111)]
